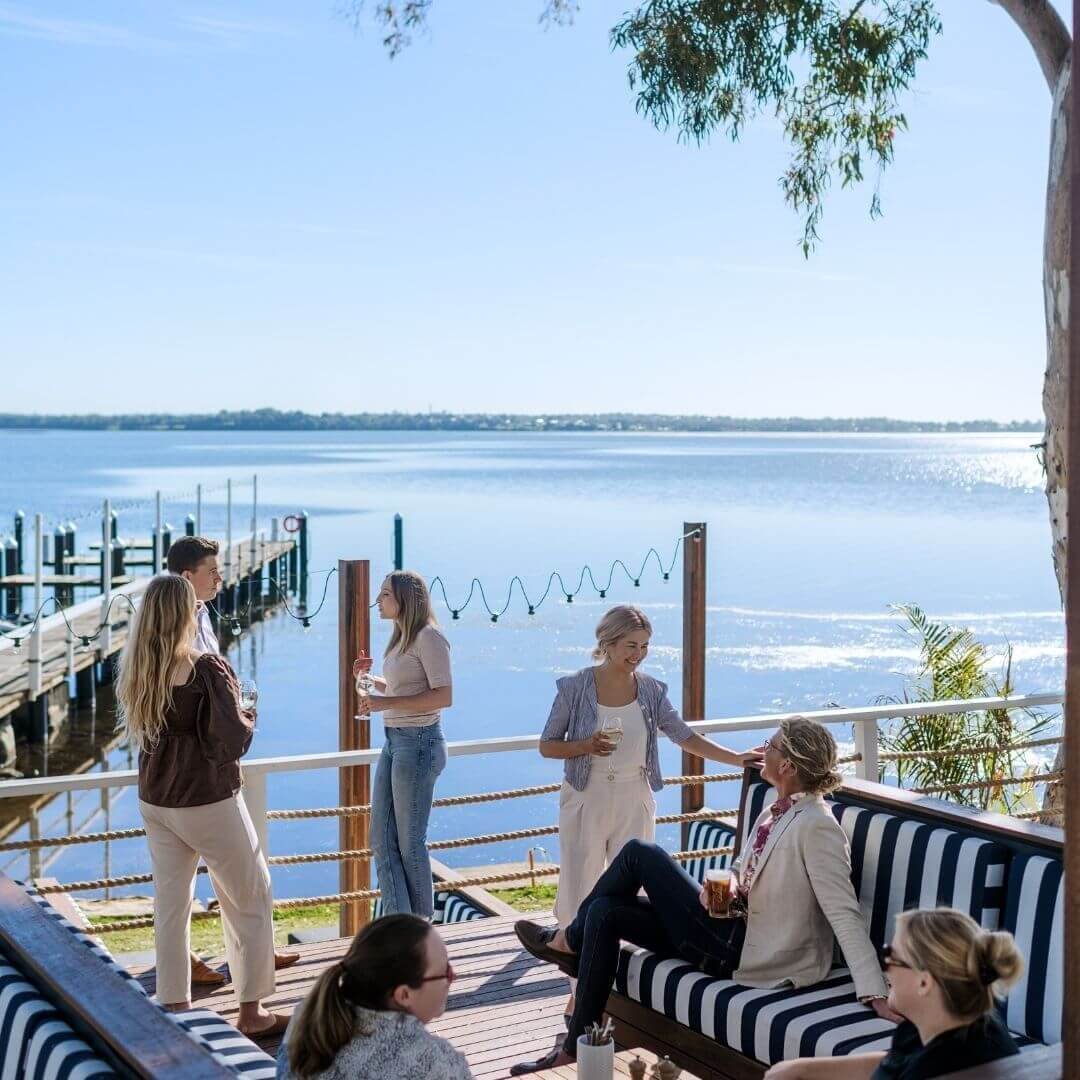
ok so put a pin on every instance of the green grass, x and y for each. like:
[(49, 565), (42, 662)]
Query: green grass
[(206, 937), (540, 898)]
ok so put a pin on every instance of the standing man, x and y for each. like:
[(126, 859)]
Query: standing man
[(196, 558)]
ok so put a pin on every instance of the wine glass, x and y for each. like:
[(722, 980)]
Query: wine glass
[(612, 729), (249, 694)]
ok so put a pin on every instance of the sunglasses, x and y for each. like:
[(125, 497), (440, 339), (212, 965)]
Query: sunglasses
[(448, 975), (891, 960)]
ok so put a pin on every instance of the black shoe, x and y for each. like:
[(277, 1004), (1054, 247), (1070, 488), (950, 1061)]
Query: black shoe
[(523, 1068), (537, 939)]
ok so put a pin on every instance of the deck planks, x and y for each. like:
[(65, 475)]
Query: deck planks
[(504, 1005)]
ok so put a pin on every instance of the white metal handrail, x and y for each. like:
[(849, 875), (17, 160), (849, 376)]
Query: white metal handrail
[(865, 717)]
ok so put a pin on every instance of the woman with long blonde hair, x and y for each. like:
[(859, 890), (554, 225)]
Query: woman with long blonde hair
[(181, 709), (415, 685)]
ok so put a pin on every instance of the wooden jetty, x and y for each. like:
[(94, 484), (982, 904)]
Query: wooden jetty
[(505, 1006), (62, 655)]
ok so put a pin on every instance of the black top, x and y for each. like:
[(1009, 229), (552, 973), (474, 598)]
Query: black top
[(985, 1040)]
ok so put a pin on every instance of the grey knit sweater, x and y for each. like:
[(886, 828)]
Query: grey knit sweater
[(386, 1045)]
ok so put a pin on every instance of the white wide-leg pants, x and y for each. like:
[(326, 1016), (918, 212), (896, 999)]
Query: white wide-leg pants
[(222, 833), (594, 824)]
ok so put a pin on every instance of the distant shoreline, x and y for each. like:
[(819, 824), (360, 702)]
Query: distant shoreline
[(276, 420)]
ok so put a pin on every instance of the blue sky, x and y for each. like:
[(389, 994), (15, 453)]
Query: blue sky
[(226, 204)]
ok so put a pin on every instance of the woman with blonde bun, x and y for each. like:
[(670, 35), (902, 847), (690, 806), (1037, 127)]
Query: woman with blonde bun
[(944, 973)]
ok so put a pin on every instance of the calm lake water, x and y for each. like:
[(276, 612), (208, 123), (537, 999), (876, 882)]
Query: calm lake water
[(811, 539)]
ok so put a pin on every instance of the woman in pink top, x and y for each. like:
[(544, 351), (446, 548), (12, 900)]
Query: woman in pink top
[(415, 685)]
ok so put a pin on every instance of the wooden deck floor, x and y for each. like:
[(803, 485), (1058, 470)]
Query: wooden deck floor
[(504, 1006)]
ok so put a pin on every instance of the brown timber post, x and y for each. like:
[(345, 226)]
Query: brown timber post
[(1071, 894), (693, 660), (354, 733)]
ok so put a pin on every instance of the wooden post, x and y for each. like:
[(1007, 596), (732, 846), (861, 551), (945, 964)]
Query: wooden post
[(155, 543), (693, 660), (303, 545), (105, 640), (20, 525), (399, 543), (228, 531), (1071, 893), (35, 637), (354, 733), (198, 510)]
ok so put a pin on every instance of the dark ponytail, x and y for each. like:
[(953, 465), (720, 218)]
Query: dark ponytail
[(386, 954)]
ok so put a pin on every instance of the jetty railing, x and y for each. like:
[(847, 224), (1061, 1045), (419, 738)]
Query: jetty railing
[(867, 759)]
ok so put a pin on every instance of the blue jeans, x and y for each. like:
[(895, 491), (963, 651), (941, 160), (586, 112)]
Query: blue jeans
[(671, 922), (410, 762)]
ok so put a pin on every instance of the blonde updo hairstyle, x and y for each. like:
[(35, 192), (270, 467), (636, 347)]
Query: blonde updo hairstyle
[(810, 747), (617, 622), (970, 964)]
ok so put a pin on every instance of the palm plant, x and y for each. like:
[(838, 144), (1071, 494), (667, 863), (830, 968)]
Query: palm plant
[(963, 749)]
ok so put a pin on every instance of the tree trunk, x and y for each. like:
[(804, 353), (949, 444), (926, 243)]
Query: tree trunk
[(1055, 385)]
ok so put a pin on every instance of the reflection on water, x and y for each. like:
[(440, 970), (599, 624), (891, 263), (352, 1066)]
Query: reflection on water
[(811, 538)]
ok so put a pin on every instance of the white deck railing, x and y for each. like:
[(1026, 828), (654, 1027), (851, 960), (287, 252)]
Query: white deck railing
[(256, 770)]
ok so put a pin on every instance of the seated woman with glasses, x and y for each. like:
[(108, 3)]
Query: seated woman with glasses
[(366, 1014), (794, 893), (943, 972)]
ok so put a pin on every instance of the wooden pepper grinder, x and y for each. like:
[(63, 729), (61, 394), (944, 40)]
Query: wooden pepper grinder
[(637, 1069), (666, 1069)]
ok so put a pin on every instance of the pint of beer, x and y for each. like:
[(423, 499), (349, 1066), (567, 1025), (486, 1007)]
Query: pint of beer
[(719, 889)]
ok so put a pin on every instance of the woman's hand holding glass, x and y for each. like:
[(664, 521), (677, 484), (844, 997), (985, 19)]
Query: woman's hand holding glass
[(601, 744)]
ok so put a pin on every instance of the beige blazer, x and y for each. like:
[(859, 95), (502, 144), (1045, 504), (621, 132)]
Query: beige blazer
[(800, 898)]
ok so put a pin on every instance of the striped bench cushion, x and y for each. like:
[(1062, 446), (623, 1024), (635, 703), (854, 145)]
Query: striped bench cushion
[(703, 836), (449, 908), (897, 863), (233, 1050), (768, 1025), (229, 1046), (36, 1042), (1034, 915)]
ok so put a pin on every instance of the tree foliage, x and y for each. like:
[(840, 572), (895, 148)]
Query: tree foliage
[(832, 74), (955, 665)]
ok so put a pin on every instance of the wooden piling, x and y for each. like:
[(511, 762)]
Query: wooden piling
[(354, 733), (693, 659)]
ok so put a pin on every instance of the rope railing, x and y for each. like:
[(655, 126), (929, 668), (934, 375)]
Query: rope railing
[(357, 854), (968, 751), (982, 785), (371, 894)]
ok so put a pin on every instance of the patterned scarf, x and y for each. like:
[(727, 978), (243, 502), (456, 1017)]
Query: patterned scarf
[(761, 838)]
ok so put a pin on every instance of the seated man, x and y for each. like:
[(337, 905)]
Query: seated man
[(794, 889)]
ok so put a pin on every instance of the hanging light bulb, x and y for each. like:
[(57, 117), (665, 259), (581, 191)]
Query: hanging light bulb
[(455, 615), (569, 598), (16, 643), (234, 627), (305, 623), (85, 642)]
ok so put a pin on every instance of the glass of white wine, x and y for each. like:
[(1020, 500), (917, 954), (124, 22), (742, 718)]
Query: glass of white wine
[(249, 694), (612, 730)]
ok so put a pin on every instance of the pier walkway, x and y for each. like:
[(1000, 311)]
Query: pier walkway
[(62, 655)]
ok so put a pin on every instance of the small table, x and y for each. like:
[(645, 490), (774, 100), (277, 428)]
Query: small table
[(622, 1067)]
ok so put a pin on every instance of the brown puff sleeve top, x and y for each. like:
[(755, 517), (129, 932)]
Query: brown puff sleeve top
[(197, 759)]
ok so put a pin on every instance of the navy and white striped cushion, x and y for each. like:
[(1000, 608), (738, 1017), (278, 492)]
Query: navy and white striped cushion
[(449, 908), (769, 1025), (703, 836), (36, 1042), (93, 944), (231, 1048), (1035, 917), (897, 864)]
